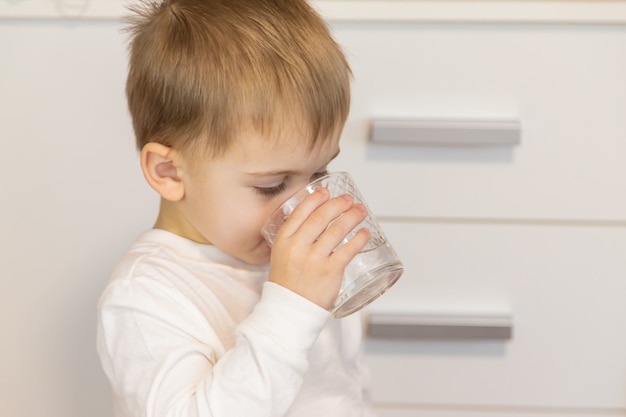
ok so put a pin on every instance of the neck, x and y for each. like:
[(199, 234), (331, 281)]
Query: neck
[(173, 219)]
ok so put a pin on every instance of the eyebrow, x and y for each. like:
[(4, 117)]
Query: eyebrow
[(287, 172)]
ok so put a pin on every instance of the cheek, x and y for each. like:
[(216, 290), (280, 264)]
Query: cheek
[(245, 217)]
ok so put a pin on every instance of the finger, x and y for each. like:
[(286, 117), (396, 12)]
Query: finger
[(352, 247), (322, 218), (336, 233), (302, 211)]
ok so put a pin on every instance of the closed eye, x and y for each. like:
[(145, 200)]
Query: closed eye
[(271, 191)]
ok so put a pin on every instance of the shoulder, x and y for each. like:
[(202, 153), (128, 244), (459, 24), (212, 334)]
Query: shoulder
[(164, 272), (151, 293), (161, 257), (149, 270)]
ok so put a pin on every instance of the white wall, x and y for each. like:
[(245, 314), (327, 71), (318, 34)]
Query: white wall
[(537, 230), (72, 199)]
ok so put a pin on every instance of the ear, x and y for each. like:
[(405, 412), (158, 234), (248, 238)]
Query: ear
[(159, 164)]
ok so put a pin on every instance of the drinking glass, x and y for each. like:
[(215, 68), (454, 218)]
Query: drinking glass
[(373, 271)]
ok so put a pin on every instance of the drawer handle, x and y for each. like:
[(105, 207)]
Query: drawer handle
[(445, 132), (439, 327)]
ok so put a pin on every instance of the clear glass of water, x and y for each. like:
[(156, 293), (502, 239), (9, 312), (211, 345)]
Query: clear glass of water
[(373, 271)]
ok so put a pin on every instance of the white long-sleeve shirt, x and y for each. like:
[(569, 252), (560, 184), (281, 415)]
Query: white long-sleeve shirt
[(186, 330)]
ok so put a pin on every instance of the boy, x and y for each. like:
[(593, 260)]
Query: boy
[(236, 104)]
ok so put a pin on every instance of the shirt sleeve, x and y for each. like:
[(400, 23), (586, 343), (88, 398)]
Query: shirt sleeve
[(164, 359)]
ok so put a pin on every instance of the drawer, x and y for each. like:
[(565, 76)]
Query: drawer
[(435, 411), (564, 84), (563, 286)]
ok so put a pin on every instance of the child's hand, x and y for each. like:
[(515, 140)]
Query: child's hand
[(303, 257)]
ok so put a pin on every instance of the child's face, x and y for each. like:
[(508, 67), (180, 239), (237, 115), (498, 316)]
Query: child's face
[(227, 199)]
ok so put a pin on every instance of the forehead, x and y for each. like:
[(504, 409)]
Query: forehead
[(260, 153)]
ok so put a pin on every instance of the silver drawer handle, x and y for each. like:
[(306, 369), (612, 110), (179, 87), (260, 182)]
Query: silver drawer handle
[(439, 327), (445, 132)]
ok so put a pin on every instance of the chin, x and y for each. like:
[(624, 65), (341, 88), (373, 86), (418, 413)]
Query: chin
[(259, 257), (258, 261)]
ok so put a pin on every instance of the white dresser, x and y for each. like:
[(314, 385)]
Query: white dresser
[(534, 233)]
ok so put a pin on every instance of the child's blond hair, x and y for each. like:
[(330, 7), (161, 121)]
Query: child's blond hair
[(202, 71)]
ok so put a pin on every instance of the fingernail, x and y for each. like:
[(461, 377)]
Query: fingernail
[(347, 197), (322, 192)]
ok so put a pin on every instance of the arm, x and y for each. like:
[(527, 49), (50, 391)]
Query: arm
[(163, 361)]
